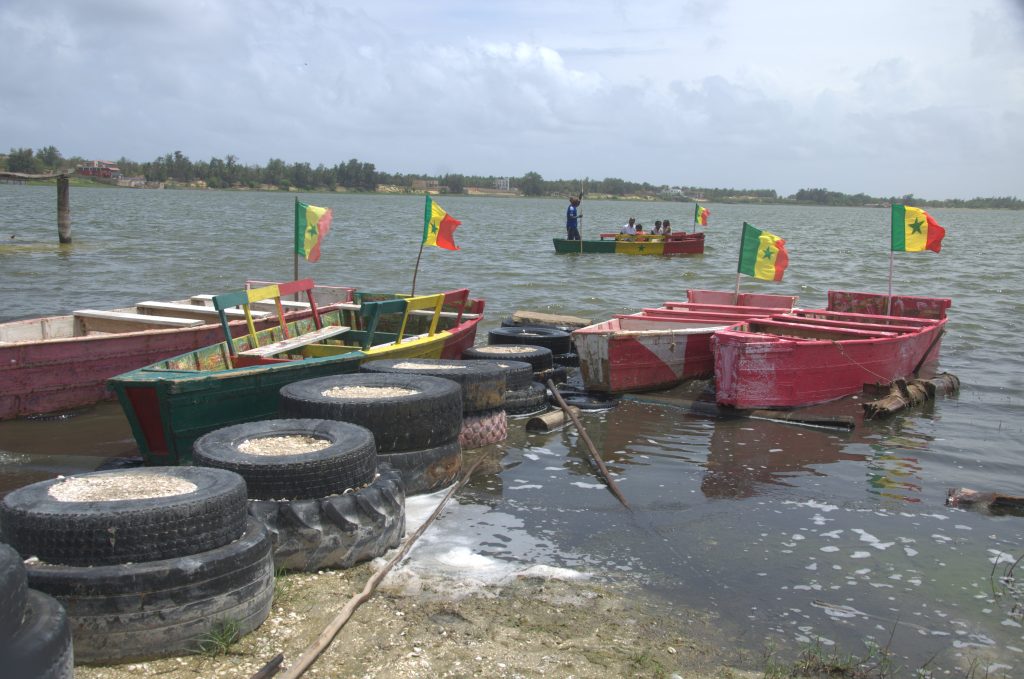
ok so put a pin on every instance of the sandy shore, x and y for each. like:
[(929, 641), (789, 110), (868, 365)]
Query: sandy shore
[(530, 627)]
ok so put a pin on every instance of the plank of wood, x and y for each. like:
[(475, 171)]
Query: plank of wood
[(98, 320), (285, 345), (192, 310), (537, 317)]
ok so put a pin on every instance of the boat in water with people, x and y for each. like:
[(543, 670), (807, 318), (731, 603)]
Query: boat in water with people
[(172, 402), (809, 356), (658, 348), (634, 244)]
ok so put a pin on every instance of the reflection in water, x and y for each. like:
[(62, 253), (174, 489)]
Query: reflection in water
[(891, 475), (741, 456)]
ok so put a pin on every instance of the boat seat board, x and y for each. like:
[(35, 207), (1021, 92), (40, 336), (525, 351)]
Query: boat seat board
[(285, 345), (288, 304), (725, 316), (854, 325), (112, 321), (805, 330), (161, 308)]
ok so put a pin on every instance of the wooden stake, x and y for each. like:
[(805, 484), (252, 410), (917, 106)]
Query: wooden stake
[(63, 209), (602, 470)]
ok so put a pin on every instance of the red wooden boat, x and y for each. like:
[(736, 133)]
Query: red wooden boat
[(63, 362), (812, 356), (659, 348)]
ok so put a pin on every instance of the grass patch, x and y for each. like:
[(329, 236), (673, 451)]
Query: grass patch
[(219, 639)]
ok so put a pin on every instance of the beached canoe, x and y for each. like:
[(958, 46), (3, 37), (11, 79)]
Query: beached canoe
[(611, 243), (57, 363), (171, 403), (812, 356), (657, 348)]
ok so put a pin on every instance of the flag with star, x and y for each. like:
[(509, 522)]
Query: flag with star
[(311, 226), (762, 255), (914, 230), (439, 227)]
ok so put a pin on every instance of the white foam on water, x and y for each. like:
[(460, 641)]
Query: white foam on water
[(813, 504), (525, 486), (872, 540), (999, 557), (583, 484), (531, 456), (860, 555), (830, 548), (832, 534), (1009, 622)]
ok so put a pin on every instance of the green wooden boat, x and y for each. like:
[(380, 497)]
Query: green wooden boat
[(171, 403)]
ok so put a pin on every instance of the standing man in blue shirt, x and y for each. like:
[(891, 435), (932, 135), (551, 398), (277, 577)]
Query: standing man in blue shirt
[(572, 216)]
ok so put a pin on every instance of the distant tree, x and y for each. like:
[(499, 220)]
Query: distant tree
[(22, 160), (531, 184), (49, 157), (456, 183)]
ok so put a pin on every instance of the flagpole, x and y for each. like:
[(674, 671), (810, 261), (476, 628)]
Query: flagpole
[(888, 299), (739, 261), (412, 293), (295, 255)]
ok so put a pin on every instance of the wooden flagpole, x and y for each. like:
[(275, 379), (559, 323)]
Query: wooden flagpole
[(412, 293), (295, 254)]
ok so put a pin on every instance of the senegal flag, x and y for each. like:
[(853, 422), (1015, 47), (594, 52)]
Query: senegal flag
[(762, 254), (700, 215), (439, 227), (914, 230), (311, 226)]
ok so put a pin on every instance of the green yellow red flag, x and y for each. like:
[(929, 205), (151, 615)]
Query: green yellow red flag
[(914, 230), (762, 255), (700, 215), (439, 227), (311, 226)]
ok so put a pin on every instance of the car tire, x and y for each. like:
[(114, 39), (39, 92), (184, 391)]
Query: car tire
[(41, 647), (539, 358), (483, 384), (210, 514), (425, 471), (558, 341), (482, 429), (426, 414), (141, 611), (526, 401), (348, 462)]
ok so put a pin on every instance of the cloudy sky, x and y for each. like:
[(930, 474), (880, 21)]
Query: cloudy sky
[(879, 96)]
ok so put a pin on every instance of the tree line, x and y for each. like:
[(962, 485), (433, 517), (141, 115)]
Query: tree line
[(218, 173)]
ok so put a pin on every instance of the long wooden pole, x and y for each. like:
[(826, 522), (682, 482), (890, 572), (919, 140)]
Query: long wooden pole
[(602, 470), (412, 293), (63, 209), (314, 650)]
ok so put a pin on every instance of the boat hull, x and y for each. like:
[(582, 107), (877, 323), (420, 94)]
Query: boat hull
[(169, 408), (658, 348), (769, 368), (683, 244)]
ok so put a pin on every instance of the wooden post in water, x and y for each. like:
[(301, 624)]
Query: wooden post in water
[(63, 209)]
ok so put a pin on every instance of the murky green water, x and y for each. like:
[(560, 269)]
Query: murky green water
[(786, 533)]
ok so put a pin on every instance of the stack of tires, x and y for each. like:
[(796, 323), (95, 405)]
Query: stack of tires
[(316, 485), (35, 637), (523, 395), (415, 420), (558, 341), (484, 420), (147, 562), (540, 358)]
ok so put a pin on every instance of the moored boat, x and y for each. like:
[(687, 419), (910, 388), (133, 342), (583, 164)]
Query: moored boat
[(57, 363), (170, 403), (657, 348), (643, 244), (811, 356)]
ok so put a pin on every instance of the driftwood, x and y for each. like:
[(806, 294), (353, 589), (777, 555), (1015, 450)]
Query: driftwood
[(713, 410), (904, 394), (996, 503), (537, 318), (550, 421), (594, 455)]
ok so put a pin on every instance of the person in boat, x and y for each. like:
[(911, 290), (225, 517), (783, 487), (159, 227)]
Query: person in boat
[(572, 215), (657, 228), (666, 228), (629, 228), (640, 233)]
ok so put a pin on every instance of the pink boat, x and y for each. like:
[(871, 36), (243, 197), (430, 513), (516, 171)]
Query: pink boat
[(58, 363), (657, 348), (805, 357)]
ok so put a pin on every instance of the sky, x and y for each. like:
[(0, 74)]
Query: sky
[(884, 97)]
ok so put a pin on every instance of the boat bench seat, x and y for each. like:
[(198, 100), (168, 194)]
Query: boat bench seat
[(854, 325), (286, 345), (268, 304), (96, 320), (808, 331), (191, 310)]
